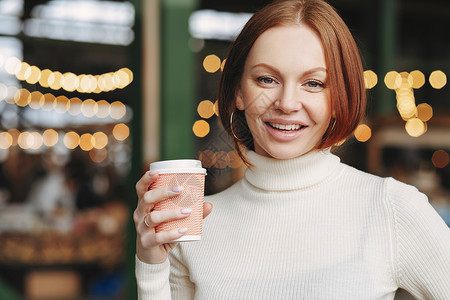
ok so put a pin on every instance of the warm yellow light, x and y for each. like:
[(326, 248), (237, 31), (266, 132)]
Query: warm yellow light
[(233, 159), (61, 104), (75, 106), (37, 141), (12, 65), (211, 63), (86, 142), (370, 79), (45, 76), (85, 83), (22, 97), (71, 140), (205, 109), (20, 74), (89, 108), (440, 159), (403, 81), (417, 78), (54, 80), (6, 140), (363, 133), (50, 137), (415, 127), (107, 83), (98, 155), (424, 112), (36, 98), (221, 160), (70, 82), (200, 128), (129, 73), (100, 140), (208, 158), (33, 75), (117, 110), (47, 102), (25, 140), (438, 79), (407, 109), (121, 131), (390, 79), (97, 90), (103, 109), (121, 79)]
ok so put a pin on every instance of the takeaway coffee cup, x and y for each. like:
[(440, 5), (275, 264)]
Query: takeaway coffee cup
[(189, 174)]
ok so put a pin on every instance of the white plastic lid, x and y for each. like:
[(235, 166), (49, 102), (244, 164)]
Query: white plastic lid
[(178, 166)]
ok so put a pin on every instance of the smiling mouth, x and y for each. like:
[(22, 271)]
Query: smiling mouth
[(286, 127)]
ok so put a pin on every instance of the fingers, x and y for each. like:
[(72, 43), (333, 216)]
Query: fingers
[(146, 180), (155, 218), (150, 198), (207, 208)]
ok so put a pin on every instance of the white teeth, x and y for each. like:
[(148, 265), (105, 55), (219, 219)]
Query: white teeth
[(285, 127)]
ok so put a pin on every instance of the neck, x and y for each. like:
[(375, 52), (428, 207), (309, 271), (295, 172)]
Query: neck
[(290, 174)]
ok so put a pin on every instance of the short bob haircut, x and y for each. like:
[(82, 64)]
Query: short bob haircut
[(345, 71)]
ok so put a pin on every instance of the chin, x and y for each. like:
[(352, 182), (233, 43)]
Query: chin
[(284, 153)]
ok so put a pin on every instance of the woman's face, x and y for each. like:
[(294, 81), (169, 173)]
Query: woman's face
[(284, 92)]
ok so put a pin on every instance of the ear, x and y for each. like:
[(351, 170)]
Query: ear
[(239, 99)]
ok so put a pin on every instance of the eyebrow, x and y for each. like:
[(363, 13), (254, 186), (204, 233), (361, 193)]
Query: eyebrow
[(307, 72)]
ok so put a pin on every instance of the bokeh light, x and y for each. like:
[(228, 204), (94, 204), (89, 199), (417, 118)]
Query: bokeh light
[(438, 79), (211, 63), (370, 79), (440, 159), (50, 137), (71, 140), (121, 131), (205, 109), (363, 133), (200, 128), (424, 112), (415, 127)]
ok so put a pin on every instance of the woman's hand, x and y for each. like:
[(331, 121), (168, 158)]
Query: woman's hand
[(152, 247)]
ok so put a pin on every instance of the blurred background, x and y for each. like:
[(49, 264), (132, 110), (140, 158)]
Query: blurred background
[(91, 92)]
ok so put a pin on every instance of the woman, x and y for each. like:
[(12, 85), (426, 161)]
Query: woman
[(300, 224)]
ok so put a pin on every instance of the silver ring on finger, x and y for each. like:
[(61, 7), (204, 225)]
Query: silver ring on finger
[(145, 221)]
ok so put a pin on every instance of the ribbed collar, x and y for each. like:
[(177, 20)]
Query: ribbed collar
[(290, 174)]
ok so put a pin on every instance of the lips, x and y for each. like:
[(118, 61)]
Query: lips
[(285, 130), (285, 127)]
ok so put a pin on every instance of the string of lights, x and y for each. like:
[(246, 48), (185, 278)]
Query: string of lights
[(34, 140), (55, 80), (62, 104)]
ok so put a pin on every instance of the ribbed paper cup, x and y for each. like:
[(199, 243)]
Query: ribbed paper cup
[(189, 174)]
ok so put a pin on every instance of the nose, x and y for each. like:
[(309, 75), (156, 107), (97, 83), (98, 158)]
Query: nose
[(288, 100)]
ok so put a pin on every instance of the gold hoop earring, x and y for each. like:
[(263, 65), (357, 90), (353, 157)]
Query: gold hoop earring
[(333, 125), (231, 126)]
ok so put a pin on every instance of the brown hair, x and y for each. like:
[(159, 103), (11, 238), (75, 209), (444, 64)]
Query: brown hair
[(345, 71)]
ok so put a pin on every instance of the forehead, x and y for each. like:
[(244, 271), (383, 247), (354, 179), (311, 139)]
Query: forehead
[(290, 45)]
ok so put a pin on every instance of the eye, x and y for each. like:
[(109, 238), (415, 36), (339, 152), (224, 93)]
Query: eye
[(314, 85), (265, 80)]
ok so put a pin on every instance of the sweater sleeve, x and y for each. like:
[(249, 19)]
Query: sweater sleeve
[(421, 244), (153, 280), (180, 283)]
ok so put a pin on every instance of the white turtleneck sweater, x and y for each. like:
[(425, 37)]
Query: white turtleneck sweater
[(308, 228)]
